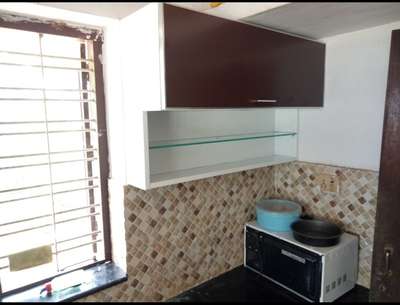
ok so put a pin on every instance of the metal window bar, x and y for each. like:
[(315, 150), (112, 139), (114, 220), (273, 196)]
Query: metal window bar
[(85, 112), (51, 224), (66, 240), (86, 77), (65, 250), (45, 67), (51, 153), (48, 89), (48, 155), (44, 216), (50, 121), (46, 163), (78, 237), (92, 259), (48, 100), (45, 55), (46, 184), (46, 132), (81, 245), (47, 194), (24, 198)]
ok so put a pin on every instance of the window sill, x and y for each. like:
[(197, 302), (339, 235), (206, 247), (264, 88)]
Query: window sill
[(102, 276)]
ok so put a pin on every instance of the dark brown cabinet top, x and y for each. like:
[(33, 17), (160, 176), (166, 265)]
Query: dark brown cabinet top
[(215, 62)]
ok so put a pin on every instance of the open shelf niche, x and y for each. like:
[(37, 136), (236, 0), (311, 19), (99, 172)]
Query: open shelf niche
[(185, 145)]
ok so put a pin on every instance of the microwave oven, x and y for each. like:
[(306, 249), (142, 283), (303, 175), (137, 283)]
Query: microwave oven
[(316, 274)]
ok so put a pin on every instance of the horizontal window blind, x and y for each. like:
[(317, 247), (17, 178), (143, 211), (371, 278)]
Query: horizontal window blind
[(50, 183)]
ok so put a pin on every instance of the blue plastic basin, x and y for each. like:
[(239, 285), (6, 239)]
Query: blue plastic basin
[(277, 214)]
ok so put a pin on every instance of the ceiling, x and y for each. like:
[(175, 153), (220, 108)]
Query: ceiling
[(231, 10), (118, 10), (309, 19), (317, 20), (115, 10)]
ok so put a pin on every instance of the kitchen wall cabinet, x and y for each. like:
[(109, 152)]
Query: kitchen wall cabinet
[(174, 128), (224, 63), (174, 57)]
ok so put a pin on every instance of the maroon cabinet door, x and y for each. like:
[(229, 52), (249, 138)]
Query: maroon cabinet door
[(214, 62)]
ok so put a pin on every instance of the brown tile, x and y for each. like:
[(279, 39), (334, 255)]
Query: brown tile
[(362, 200), (358, 188)]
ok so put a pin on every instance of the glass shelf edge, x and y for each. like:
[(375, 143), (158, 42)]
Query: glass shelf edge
[(223, 139)]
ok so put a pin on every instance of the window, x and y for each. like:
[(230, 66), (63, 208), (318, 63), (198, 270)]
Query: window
[(53, 153)]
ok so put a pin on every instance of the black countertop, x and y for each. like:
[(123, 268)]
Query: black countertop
[(99, 277), (244, 285)]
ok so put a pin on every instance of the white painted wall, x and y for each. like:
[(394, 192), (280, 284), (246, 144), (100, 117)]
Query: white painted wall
[(116, 139), (347, 131)]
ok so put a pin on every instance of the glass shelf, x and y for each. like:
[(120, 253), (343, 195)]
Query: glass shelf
[(218, 139)]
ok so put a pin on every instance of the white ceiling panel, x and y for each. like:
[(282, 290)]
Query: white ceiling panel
[(115, 10), (319, 20)]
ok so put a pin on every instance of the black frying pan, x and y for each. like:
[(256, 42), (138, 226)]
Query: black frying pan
[(317, 233)]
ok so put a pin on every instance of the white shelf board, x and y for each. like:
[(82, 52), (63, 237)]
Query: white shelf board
[(163, 179)]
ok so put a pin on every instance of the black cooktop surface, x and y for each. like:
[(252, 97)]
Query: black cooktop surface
[(244, 285)]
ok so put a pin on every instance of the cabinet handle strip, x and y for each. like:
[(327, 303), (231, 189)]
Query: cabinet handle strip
[(263, 101)]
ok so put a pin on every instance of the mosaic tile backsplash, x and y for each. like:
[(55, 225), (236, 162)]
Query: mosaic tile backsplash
[(352, 207), (182, 235)]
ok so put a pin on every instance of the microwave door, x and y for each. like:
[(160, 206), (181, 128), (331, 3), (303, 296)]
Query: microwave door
[(254, 253), (294, 267)]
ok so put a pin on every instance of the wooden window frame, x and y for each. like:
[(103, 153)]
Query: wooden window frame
[(49, 26)]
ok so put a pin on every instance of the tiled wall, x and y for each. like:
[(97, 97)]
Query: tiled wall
[(182, 235), (353, 207)]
